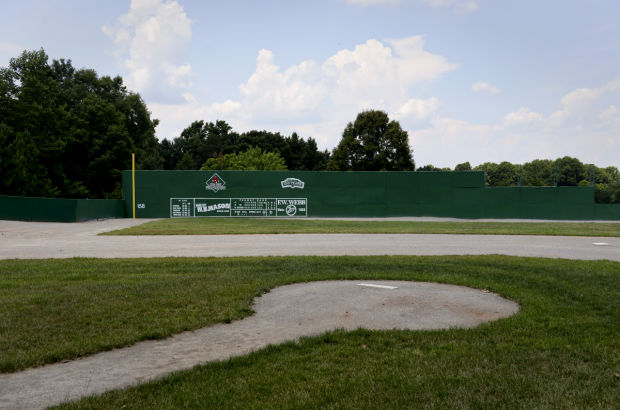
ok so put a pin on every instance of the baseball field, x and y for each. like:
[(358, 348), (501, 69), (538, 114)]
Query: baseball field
[(560, 350)]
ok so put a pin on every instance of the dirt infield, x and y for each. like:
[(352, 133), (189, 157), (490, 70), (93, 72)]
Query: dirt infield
[(286, 313)]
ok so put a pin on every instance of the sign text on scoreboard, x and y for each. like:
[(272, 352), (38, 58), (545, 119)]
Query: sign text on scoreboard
[(181, 207), (283, 207)]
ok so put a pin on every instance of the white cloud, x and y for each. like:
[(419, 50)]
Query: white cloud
[(10, 48), (417, 109), (609, 119), (152, 40), (484, 87), (449, 141), (583, 103), (319, 98), (372, 75), (517, 137), (609, 114), (586, 127), (376, 74), (8, 51), (372, 2), (226, 108), (272, 92), (521, 117), (458, 6), (178, 76)]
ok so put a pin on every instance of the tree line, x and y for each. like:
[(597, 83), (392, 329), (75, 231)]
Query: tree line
[(565, 171), (203, 142), (66, 132)]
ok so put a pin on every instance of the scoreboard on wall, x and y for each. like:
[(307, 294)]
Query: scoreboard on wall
[(277, 207)]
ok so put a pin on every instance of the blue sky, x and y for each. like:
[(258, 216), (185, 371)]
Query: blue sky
[(470, 80)]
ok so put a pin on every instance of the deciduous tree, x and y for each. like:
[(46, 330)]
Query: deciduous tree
[(254, 159), (372, 143), (75, 130)]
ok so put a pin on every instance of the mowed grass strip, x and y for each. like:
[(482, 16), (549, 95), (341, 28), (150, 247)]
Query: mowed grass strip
[(560, 351), (237, 226)]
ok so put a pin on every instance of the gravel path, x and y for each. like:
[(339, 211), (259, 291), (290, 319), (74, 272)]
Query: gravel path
[(286, 313)]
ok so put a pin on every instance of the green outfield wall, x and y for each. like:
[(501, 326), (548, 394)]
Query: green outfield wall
[(59, 210), (351, 194)]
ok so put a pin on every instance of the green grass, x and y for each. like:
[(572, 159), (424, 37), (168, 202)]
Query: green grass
[(560, 351), (224, 226)]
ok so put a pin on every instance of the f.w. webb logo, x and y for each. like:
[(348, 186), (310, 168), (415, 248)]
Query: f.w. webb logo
[(215, 183), (292, 183)]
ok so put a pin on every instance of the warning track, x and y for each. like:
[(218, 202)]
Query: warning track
[(40, 240)]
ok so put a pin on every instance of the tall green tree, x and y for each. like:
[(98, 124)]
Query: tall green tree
[(569, 171), (465, 166), (79, 129), (505, 174), (372, 143), (538, 172), (502, 174)]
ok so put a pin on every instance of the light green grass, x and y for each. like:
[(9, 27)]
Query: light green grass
[(560, 351), (233, 226)]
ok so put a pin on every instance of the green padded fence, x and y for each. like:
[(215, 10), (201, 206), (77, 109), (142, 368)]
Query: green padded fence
[(161, 194), (58, 209)]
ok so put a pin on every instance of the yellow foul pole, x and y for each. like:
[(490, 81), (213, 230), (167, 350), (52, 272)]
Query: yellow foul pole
[(133, 184)]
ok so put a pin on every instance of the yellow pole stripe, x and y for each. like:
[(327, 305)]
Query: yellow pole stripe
[(133, 183)]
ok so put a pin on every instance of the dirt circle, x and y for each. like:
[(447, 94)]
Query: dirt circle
[(319, 306), (286, 313)]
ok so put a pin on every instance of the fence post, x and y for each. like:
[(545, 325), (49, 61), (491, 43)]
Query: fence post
[(133, 184)]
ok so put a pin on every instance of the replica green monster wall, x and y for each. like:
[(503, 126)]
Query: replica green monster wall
[(161, 194), (59, 209)]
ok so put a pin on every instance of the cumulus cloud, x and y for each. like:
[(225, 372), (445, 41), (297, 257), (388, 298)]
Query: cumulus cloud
[(321, 97), (273, 92), (609, 114), (586, 126), (458, 6), (484, 87), (583, 104), (372, 2), (373, 75), (448, 141), (152, 40), (417, 109), (521, 117)]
